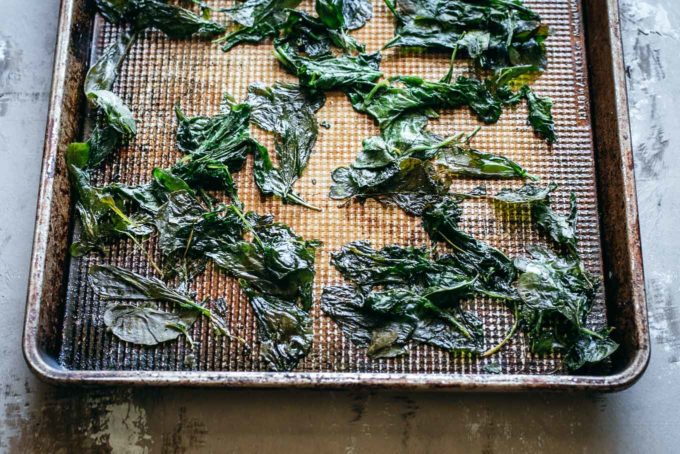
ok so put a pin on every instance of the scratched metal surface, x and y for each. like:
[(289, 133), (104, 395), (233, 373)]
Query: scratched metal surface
[(35, 417), (159, 73)]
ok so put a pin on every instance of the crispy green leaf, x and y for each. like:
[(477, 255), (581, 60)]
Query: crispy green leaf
[(589, 350), (386, 101), (327, 73), (309, 36), (494, 271), (386, 321), (113, 282), (222, 138), (104, 72), (276, 271), (391, 266), (540, 115), (410, 167), (116, 113), (145, 325), (285, 329), (527, 194), (494, 33), (187, 232), (344, 14), (557, 294), (258, 20), (561, 229), (101, 214), (288, 112)]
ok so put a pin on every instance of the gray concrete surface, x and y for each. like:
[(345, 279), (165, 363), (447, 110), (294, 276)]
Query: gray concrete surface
[(38, 418)]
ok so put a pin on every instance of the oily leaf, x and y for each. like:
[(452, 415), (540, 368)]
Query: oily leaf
[(308, 35), (590, 349), (404, 268), (145, 325), (285, 329), (527, 194), (494, 33), (277, 262), (288, 112), (540, 115), (411, 167), (390, 266), (494, 271), (344, 72), (384, 322), (407, 184), (258, 20), (276, 270), (555, 284), (187, 232), (386, 101), (250, 12), (114, 126), (104, 72), (557, 295), (561, 229), (223, 138), (461, 160), (101, 214), (356, 13), (344, 14), (116, 114), (113, 282), (174, 21)]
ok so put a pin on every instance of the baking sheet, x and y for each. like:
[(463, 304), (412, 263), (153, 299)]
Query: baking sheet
[(159, 73)]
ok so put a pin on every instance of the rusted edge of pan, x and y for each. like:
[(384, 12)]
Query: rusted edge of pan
[(624, 277)]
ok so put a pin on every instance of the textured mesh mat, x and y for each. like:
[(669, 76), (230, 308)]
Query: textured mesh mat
[(159, 73)]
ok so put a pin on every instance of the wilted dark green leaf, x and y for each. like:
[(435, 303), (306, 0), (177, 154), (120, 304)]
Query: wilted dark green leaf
[(344, 14), (494, 271), (309, 36), (384, 322), (494, 33), (557, 294), (258, 20), (223, 138), (146, 325), (175, 22), (327, 73), (409, 166), (104, 72), (288, 112), (276, 270), (540, 115), (101, 214)]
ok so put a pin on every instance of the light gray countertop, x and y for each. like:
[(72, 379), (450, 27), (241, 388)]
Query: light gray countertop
[(646, 418)]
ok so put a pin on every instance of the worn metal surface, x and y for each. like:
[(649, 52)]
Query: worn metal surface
[(35, 417), (68, 330)]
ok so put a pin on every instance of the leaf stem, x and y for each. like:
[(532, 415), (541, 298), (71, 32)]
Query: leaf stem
[(300, 201), (447, 77), (506, 339), (247, 224), (149, 259)]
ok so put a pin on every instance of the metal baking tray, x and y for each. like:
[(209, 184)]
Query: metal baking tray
[(65, 340)]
